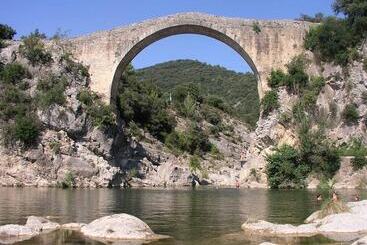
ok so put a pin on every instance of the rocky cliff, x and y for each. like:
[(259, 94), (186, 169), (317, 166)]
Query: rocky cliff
[(72, 150)]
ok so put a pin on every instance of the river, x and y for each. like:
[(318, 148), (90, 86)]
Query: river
[(190, 216)]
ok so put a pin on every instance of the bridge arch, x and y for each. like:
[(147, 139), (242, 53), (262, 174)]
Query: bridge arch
[(172, 31), (108, 52)]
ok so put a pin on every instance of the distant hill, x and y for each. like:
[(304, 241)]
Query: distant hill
[(237, 89)]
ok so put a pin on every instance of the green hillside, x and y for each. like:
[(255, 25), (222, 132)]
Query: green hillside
[(237, 89)]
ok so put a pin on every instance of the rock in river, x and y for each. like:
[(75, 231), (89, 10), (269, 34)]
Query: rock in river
[(346, 226), (40, 224), (15, 233), (119, 227)]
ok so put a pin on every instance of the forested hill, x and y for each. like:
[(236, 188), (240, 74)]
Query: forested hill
[(237, 89)]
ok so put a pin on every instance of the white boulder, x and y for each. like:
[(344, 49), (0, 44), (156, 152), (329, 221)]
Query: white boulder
[(15, 233), (119, 227), (41, 224)]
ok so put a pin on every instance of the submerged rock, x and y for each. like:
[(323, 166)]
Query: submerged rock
[(361, 241), (73, 226), (345, 226), (41, 224), (15, 233), (119, 227)]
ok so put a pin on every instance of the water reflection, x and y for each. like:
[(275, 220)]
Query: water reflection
[(200, 216)]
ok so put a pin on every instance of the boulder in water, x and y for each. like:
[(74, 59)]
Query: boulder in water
[(41, 224), (15, 233), (119, 227)]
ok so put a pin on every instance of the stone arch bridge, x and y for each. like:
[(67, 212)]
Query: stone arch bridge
[(107, 53)]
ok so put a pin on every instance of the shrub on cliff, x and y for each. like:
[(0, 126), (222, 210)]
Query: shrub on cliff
[(50, 90), (100, 113), (75, 68), (143, 103), (285, 169), (277, 78), (350, 114), (13, 73), (269, 102), (335, 40), (193, 141), (6, 32), (33, 48)]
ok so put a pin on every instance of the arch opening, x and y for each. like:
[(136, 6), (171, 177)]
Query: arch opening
[(171, 31)]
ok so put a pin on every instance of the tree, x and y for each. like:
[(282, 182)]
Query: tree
[(269, 102), (285, 169), (6, 32), (33, 49), (356, 13)]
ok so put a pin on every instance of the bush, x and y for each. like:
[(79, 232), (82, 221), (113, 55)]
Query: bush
[(359, 162), (297, 78), (68, 181), (219, 103), (143, 103), (211, 116), (269, 102), (181, 91), (318, 18), (33, 49), (355, 147), (101, 114), (350, 114), (285, 169), (332, 41), (194, 163), (26, 129), (50, 90), (277, 78), (285, 118), (55, 146), (317, 151), (256, 27), (13, 73), (6, 32), (356, 13), (193, 141), (75, 68)]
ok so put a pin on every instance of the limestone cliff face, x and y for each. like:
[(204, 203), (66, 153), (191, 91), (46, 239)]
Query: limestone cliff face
[(102, 158)]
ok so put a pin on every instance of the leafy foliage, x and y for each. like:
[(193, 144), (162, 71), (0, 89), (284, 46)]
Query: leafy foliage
[(317, 18), (25, 129), (73, 67), (256, 27), (285, 169), (238, 91), (296, 78), (193, 141), (350, 114), (143, 103), (335, 40), (6, 32), (269, 102), (194, 163), (50, 90), (16, 108), (100, 113), (13, 73), (33, 49)]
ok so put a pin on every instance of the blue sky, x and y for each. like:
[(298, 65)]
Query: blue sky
[(78, 17)]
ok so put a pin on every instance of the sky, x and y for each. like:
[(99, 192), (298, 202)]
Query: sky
[(78, 17)]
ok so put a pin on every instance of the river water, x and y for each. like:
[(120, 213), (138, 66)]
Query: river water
[(190, 216)]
